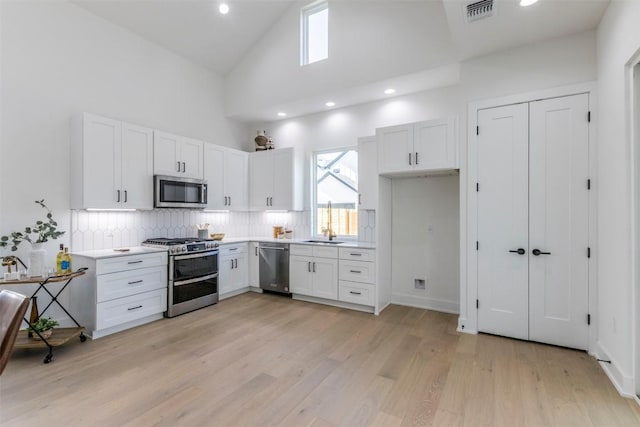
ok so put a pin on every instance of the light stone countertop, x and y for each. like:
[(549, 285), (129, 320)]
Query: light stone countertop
[(111, 253), (345, 244)]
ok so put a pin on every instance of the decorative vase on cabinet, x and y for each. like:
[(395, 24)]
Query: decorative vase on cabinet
[(37, 259)]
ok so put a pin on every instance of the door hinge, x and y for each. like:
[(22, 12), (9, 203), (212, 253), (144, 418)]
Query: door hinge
[(588, 319), (477, 130), (588, 184), (477, 245), (477, 187), (588, 252), (477, 303), (589, 116)]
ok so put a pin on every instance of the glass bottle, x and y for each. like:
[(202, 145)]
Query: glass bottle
[(59, 260), (33, 318)]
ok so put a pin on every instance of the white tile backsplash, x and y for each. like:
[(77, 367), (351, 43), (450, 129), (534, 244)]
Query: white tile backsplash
[(367, 226), (106, 230)]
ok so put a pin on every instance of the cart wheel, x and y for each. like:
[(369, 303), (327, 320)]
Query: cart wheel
[(48, 357), (83, 338)]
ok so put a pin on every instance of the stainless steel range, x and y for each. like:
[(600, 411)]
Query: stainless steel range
[(193, 273)]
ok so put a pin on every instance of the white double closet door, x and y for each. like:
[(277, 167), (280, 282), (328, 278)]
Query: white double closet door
[(533, 221)]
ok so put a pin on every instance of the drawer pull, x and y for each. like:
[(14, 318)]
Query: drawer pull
[(135, 262), (136, 281), (355, 254), (134, 308), (356, 271), (355, 293), (233, 249)]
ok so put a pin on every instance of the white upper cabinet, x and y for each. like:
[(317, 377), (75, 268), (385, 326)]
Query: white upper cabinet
[(275, 180), (367, 173), (428, 146), (112, 165), (178, 156), (235, 179), (137, 166), (225, 171)]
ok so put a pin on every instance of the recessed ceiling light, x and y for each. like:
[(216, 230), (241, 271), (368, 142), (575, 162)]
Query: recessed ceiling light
[(281, 114), (389, 91), (525, 3), (330, 104), (223, 8)]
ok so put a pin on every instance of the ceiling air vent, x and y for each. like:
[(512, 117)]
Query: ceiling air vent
[(480, 10)]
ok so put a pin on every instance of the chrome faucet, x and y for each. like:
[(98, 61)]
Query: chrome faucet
[(332, 234)]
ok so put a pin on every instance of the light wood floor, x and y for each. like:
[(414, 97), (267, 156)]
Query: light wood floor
[(264, 360)]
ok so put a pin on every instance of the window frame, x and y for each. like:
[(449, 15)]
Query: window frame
[(305, 13), (314, 193)]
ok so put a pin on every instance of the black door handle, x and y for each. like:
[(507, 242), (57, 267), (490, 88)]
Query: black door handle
[(538, 252), (518, 251)]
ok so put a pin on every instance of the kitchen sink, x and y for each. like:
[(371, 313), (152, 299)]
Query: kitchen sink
[(327, 242)]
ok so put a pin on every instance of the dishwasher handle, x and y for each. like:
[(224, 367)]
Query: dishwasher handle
[(272, 248)]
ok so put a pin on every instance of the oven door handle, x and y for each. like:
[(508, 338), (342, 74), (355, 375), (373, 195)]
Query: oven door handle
[(196, 255), (197, 279)]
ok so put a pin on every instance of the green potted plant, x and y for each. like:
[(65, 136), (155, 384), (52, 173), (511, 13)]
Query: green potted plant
[(43, 230), (37, 234), (44, 326)]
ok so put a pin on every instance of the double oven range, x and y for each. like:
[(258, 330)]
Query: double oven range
[(193, 273)]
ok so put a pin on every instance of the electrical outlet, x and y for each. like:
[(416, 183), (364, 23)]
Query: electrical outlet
[(420, 284)]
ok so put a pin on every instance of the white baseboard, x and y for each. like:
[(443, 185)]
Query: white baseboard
[(234, 293), (462, 327), (94, 335), (624, 384), (426, 303), (377, 313), (256, 290), (333, 303)]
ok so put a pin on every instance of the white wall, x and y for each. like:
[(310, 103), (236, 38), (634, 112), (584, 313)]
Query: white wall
[(543, 65), (618, 42), (425, 242), (59, 60), (365, 45)]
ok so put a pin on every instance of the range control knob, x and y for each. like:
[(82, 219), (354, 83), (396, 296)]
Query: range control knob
[(172, 250)]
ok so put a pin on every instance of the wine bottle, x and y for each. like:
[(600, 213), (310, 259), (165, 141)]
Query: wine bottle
[(33, 318)]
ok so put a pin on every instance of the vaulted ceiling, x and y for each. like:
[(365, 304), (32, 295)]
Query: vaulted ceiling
[(437, 31)]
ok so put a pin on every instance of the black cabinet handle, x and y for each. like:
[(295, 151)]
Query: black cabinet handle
[(538, 252), (519, 251), (134, 308), (355, 293), (126, 197)]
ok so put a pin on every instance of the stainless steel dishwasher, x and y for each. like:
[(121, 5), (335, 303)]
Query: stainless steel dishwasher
[(274, 267)]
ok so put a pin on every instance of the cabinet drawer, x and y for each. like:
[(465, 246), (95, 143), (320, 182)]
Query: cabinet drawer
[(127, 283), (357, 293), (325, 252), (303, 250), (357, 271), (355, 254), (122, 310), (124, 263), (233, 249)]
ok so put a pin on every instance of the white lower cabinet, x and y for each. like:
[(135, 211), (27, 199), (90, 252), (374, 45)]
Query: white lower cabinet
[(357, 276), (313, 271), (233, 271), (357, 293), (119, 292)]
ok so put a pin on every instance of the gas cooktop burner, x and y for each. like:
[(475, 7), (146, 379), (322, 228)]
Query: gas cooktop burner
[(164, 241), (180, 245)]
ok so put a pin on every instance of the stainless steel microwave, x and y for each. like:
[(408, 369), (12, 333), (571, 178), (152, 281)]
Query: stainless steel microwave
[(174, 192)]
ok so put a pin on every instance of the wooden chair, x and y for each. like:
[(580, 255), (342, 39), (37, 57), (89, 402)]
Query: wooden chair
[(13, 306)]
